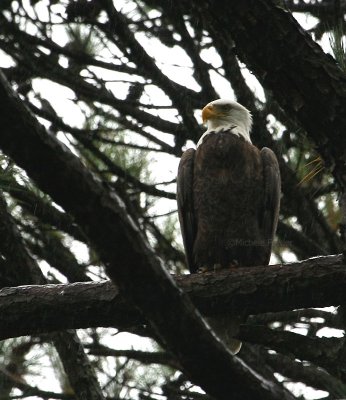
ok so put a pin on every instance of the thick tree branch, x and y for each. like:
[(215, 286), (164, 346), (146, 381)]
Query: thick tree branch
[(249, 290)]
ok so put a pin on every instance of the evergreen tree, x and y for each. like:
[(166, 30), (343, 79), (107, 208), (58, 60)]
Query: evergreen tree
[(98, 101)]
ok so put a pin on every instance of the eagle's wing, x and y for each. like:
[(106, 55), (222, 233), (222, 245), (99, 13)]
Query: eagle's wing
[(272, 189), (185, 205)]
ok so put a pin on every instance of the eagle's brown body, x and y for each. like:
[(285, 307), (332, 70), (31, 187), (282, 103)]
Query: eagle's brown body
[(228, 201)]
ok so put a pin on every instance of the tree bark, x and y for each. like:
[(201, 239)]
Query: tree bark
[(35, 309)]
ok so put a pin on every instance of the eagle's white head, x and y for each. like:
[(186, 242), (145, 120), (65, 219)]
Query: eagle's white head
[(223, 114)]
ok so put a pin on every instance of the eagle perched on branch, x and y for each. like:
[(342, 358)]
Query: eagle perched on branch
[(228, 193)]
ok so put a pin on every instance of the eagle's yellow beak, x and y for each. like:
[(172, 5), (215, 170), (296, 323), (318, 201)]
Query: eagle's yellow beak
[(208, 112)]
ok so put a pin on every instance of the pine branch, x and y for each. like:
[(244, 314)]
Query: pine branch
[(253, 290), (326, 352), (310, 374)]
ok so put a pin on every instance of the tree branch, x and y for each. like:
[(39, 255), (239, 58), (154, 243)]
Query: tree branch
[(326, 352), (145, 357), (300, 372), (249, 290)]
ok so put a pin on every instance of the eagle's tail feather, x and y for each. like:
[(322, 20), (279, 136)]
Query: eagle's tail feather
[(226, 327)]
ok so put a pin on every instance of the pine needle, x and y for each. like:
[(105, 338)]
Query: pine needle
[(318, 159), (315, 171)]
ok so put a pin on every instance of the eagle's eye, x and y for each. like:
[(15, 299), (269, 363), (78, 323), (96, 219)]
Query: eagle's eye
[(225, 107)]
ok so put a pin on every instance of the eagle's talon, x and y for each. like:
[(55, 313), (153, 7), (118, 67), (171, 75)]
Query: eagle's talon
[(233, 264), (217, 267)]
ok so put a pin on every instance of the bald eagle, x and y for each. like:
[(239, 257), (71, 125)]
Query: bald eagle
[(228, 193)]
